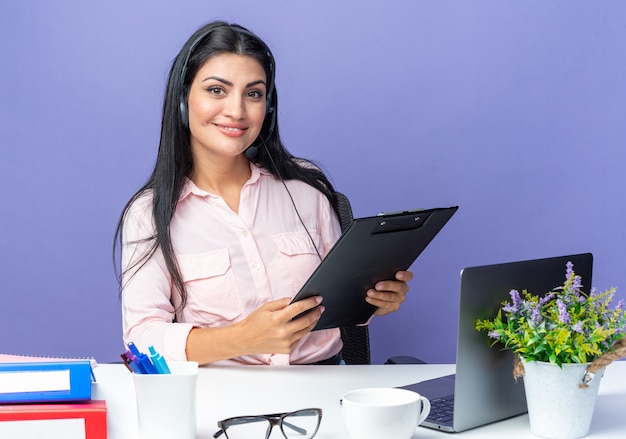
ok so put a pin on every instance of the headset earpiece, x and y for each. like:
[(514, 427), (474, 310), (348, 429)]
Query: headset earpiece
[(184, 115)]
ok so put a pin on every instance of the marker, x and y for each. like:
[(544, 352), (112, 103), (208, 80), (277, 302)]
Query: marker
[(133, 349), (146, 364), (134, 362), (130, 365), (158, 361), (142, 359)]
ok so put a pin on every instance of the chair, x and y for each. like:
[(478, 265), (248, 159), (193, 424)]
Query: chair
[(356, 339)]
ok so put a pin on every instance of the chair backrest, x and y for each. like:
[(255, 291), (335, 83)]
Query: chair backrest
[(356, 339)]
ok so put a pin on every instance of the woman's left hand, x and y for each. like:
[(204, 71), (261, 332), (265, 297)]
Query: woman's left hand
[(388, 295)]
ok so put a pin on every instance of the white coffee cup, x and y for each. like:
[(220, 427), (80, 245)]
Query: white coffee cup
[(381, 412), (166, 403)]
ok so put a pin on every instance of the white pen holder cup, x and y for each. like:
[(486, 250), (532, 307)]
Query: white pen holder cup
[(376, 413), (166, 403)]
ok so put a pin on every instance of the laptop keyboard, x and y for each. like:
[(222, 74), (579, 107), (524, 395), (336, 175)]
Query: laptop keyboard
[(441, 410)]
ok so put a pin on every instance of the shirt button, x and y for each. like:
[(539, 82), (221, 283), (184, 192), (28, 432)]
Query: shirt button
[(256, 266), (244, 234)]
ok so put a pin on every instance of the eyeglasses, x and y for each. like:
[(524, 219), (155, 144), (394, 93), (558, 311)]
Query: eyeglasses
[(301, 424)]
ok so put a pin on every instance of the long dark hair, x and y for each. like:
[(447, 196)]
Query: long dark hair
[(174, 160)]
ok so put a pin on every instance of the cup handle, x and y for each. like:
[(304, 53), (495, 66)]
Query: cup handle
[(425, 410)]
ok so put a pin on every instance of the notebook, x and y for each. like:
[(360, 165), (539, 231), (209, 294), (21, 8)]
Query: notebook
[(85, 420), (29, 379), (483, 389)]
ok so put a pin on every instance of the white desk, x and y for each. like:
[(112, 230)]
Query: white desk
[(232, 391)]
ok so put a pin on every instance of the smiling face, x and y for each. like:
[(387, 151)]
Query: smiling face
[(226, 106)]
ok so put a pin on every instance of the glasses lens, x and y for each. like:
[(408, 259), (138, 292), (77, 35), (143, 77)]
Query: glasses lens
[(250, 427), (302, 424)]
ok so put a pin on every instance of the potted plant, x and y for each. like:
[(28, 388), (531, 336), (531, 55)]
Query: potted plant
[(559, 340)]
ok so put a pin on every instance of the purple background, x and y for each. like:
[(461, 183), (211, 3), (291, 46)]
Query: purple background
[(515, 111)]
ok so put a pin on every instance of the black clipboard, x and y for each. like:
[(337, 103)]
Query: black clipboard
[(370, 250)]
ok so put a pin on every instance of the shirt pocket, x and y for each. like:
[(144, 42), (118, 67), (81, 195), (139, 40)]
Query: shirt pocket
[(297, 258), (213, 298)]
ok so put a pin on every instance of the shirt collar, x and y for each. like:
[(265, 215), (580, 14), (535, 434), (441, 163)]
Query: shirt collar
[(190, 187)]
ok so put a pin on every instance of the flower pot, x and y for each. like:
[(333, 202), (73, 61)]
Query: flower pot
[(557, 407)]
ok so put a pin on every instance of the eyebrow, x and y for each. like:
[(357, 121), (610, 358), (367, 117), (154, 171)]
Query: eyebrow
[(230, 84)]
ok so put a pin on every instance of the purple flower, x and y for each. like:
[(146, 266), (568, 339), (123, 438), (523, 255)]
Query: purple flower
[(563, 314), (565, 322), (508, 308), (576, 284), (515, 306), (545, 299), (570, 270), (535, 318), (517, 300)]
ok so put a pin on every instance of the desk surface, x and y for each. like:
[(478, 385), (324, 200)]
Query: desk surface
[(225, 391)]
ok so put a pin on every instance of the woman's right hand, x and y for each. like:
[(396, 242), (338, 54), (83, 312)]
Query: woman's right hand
[(272, 329)]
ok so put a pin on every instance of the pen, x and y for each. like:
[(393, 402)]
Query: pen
[(158, 360), (138, 362), (133, 349), (142, 359), (147, 365), (134, 362)]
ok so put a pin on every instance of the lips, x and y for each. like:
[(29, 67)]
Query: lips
[(231, 130)]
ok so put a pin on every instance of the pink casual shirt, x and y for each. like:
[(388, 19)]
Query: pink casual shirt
[(231, 264)]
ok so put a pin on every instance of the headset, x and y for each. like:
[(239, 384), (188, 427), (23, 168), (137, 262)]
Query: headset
[(269, 122)]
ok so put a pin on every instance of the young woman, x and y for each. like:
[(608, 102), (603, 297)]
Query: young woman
[(229, 225)]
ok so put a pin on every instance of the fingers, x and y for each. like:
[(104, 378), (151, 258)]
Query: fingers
[(296, 308), (386, 301), (390, 294), (399, 286), (302, 306), (302, 318), (404, 276), (299, 317), (282, 312), (273, 329), (276, 305), (305, 324)]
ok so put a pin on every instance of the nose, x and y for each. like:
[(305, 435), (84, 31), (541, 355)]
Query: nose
[(235, 107)]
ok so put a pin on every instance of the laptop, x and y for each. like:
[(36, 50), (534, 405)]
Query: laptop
[(483, 389)]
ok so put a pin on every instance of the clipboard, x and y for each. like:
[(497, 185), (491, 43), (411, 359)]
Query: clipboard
[(370, 250)]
